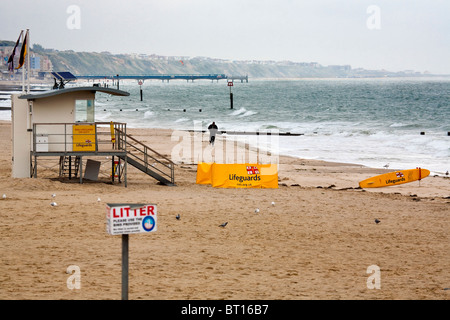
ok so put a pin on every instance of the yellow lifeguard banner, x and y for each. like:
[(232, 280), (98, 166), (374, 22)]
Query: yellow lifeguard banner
[(246, 175), (83, 137), (204, 173)]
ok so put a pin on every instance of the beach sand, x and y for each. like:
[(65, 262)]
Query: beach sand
[(316, 242)]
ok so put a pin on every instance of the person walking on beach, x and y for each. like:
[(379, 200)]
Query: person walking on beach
[(212, 132)]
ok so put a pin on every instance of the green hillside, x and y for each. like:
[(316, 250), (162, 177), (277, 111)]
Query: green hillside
[(93, 63), (105, 63)]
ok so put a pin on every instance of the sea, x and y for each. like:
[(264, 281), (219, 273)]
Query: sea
[(400, 123)]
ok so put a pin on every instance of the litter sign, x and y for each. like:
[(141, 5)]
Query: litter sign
[(130, 218)]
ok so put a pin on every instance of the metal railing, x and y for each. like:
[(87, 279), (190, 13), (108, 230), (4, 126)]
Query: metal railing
[(96, 137), (148, 160), (100, 138)]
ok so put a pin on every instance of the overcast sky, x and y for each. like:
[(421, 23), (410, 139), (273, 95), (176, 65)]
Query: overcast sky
[(373, 34)]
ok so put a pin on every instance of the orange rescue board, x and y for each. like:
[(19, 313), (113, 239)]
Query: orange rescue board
[(395, 178)]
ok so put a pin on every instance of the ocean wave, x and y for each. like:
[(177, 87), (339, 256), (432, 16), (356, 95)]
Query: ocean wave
[(270, 126), (243, 112), (247, 114), (397, 124), (238, 112), (181, 120), (148, 114), (104, 116)]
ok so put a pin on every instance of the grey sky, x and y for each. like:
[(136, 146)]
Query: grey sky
[(402, 34)]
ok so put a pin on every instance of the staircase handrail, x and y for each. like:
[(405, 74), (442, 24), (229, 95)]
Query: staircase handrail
[(145, 152)]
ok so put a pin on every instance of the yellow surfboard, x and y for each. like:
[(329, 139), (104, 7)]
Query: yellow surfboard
[(395, 178)]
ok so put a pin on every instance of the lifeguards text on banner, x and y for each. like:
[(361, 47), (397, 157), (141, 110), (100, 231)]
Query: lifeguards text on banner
[(238, 175)]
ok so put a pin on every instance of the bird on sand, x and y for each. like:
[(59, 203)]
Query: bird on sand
[(256, 210), (377, 221), (53, 195), (223, 224), (386, 165), (53, 204), (178, 217)]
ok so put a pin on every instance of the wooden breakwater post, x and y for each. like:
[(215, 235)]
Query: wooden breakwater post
[(230, 84), (140, 82)]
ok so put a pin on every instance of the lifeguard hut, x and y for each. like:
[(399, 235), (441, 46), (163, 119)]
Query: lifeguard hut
[(61, 123)]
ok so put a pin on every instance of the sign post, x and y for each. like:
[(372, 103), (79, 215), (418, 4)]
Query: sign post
[(126, 219), (125, 267), (140, 87), (230, 84)]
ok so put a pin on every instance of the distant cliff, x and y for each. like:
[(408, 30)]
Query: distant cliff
[(92, 63), (105, 63)]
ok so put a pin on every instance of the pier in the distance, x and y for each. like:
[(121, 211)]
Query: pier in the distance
[(242, 78), (164, 77)]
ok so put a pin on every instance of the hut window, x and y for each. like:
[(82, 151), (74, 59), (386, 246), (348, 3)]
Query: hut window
[(84, 111)]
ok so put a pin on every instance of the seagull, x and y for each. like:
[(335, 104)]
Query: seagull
[(377, 221), (446, 173), (273, 204), (386, 165), (98, 199), (178, 217), (256, 210), (53, 195), (4, 196), (223, 224), (53, 204)]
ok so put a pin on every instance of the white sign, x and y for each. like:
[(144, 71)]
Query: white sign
[(130, 218)]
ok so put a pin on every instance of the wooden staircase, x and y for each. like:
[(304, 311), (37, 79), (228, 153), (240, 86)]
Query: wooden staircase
[(148, 161), (69, 166)]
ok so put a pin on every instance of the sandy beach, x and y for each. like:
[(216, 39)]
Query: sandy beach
[(316, 242)]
